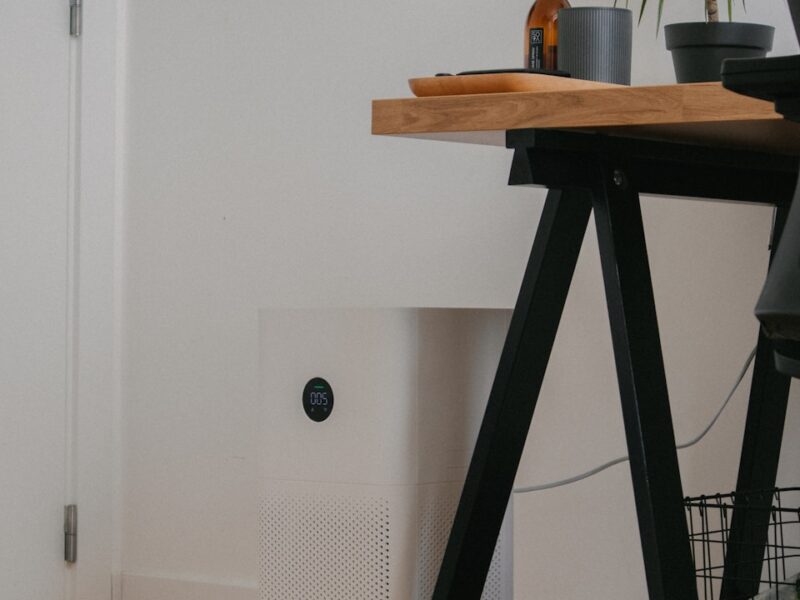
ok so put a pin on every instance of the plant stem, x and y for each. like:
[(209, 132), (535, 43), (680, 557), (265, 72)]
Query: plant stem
[(712, 11)]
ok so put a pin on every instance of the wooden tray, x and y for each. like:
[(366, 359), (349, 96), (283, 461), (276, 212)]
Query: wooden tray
[(495, 83)]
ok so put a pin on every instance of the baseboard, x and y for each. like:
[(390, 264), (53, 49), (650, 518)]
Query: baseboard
[(145, 587)]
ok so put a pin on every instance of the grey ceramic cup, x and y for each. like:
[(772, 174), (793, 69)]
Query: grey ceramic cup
[(595, 43)]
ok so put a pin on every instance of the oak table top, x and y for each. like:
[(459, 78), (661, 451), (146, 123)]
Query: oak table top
[(701, 113)]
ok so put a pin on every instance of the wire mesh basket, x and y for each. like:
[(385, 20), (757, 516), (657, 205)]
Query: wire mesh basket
[(709, 519)]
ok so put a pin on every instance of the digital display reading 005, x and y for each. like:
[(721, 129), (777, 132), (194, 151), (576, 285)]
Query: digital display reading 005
[(318, 399)]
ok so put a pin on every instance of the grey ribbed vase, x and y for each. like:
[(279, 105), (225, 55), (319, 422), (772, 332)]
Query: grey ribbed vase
[(595, 43)]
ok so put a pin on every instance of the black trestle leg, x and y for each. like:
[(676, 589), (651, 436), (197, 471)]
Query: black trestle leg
[(758, 465), (513, 397), (643, 389)]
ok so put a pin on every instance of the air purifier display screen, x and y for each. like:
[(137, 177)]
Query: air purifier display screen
[(318, 399)]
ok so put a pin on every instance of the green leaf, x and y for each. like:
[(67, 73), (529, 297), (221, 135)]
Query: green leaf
[(641, 12)]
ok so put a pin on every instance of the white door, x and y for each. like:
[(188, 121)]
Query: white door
[(34, 233)]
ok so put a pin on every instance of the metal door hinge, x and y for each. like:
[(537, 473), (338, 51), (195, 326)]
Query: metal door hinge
[(75, 18), (71, 533)]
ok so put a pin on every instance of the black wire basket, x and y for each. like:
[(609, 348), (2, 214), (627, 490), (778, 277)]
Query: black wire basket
[(709, 519)]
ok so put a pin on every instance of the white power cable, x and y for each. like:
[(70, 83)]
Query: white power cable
[(621, 459)]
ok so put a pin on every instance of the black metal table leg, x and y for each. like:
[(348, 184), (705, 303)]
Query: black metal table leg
[(643, 388), (758, 466), (513, 396)]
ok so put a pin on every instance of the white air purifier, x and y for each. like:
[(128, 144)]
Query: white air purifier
[(369, 420)]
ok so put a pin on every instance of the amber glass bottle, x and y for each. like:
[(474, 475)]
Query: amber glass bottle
[(541, 34)]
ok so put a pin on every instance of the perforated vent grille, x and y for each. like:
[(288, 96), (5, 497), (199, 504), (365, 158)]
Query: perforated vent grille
[(436, 520), (324, 548), (494, 589)]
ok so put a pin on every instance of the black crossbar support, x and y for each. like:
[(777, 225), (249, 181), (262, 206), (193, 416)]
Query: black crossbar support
[(557, 158)]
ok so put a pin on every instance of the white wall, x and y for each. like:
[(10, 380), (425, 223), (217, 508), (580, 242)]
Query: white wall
[(252, 181)]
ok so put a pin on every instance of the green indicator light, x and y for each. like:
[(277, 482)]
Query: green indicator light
[(319, 387)]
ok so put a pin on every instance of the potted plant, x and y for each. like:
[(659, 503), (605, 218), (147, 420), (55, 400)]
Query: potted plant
[(698, 49)]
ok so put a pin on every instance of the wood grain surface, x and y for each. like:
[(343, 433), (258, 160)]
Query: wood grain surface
[(700, 113), (495, 83)]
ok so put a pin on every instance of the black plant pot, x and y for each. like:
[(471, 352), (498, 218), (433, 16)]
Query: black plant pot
[(698, 49)]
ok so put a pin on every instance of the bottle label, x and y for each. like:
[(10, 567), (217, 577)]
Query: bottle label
[(536, 46)]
